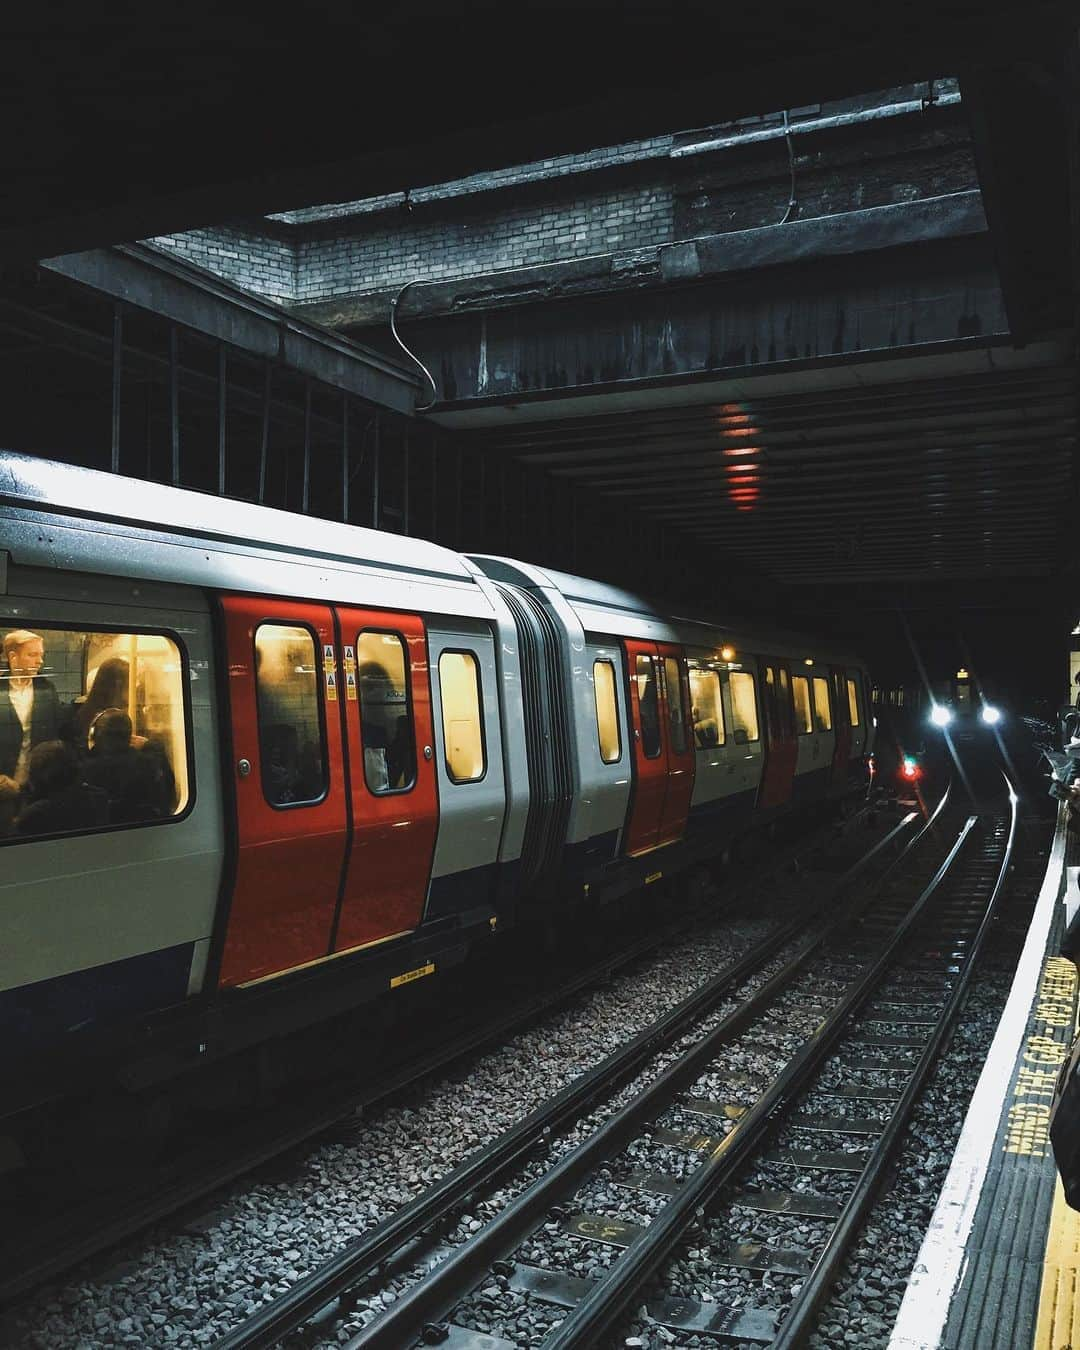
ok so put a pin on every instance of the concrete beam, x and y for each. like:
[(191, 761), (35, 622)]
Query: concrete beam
[(151, 280), (822, 312), (956, 216)]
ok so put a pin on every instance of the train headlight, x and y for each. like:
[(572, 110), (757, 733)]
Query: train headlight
[(990, 715), (940, 715)]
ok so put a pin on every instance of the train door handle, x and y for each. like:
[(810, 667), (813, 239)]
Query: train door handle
[(428, 752), (243, 767)]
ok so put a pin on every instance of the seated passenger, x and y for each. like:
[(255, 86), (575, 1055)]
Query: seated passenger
[(109, 690), (57, 800), (10, 804), (132, 779), (706, 730)]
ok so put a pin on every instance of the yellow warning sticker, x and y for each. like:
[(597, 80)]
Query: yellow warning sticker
[(653, 876), (350, 686), (350, 658), (1028, 1123), (411, 975), (331, 686)]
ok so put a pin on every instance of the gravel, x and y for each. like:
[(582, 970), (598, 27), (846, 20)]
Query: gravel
[(182, 1289), (187, 1284)]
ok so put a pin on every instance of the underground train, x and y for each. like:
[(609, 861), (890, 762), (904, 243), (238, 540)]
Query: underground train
[(267, 769)]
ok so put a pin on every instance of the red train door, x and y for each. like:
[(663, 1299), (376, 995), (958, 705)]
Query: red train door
[(842, 726), (781, 747), (675, 691), (291, 808), (387, 703), (650, 761), (663, 754)]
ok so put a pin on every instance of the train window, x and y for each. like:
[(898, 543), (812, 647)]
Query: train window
[(822, 711), (800, 688), (743, 706), (386, 730), (648, 706), (676, 703), (93, 731), (706, 708), (291, 749), (463, 729), (607, 712), (853, 702)]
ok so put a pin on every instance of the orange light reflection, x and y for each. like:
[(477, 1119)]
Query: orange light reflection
[(742, 478)]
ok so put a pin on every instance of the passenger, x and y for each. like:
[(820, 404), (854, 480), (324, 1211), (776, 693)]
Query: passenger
[(109, 690), (10, 804), (133, 778), (29, 706), (399, 754), (57, 800), (706, 730)]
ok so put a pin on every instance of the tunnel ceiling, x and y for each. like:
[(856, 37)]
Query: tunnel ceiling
[(126, 125), (940, 479)]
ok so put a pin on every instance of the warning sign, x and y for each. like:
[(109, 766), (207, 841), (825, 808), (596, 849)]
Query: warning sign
[(331, 687), (350, 658), (350, 686), (328, 655), (398, 980)]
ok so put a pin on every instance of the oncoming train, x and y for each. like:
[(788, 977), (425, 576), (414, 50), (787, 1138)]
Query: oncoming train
[(275, 768)]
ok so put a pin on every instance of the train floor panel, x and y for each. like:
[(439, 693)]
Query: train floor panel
[(999, 1267)]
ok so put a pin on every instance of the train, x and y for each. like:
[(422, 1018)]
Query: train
[(273, 770), (962, 700)]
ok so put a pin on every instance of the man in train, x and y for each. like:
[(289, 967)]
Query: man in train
[(29, 706)]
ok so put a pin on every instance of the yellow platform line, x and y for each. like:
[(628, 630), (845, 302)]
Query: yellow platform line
[(1058, 1327)]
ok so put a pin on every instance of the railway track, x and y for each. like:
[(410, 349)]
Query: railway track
[(47, 1248), (794, 961)]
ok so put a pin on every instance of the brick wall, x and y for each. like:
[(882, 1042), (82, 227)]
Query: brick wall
[(433, 248), (248, 257), (373, 250)]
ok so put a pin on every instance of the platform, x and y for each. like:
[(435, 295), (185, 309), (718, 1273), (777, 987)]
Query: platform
[(1000, 1264)]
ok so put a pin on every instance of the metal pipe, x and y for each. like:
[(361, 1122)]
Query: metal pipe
[(345, 459), (264, 440), (410, 354), (904, 108), (375, 473), (117, 358), (174, 402), (222, 376), (405, 481), (306, 493)]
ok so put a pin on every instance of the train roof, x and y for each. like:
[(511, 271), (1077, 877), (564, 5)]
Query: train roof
[(101, 522)]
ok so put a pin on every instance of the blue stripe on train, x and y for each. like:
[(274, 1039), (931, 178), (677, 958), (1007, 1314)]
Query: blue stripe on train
[(461, 891), (49, 1009), (811, 784), (722, 815)]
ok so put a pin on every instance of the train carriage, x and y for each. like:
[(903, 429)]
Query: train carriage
[(368, 755)]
